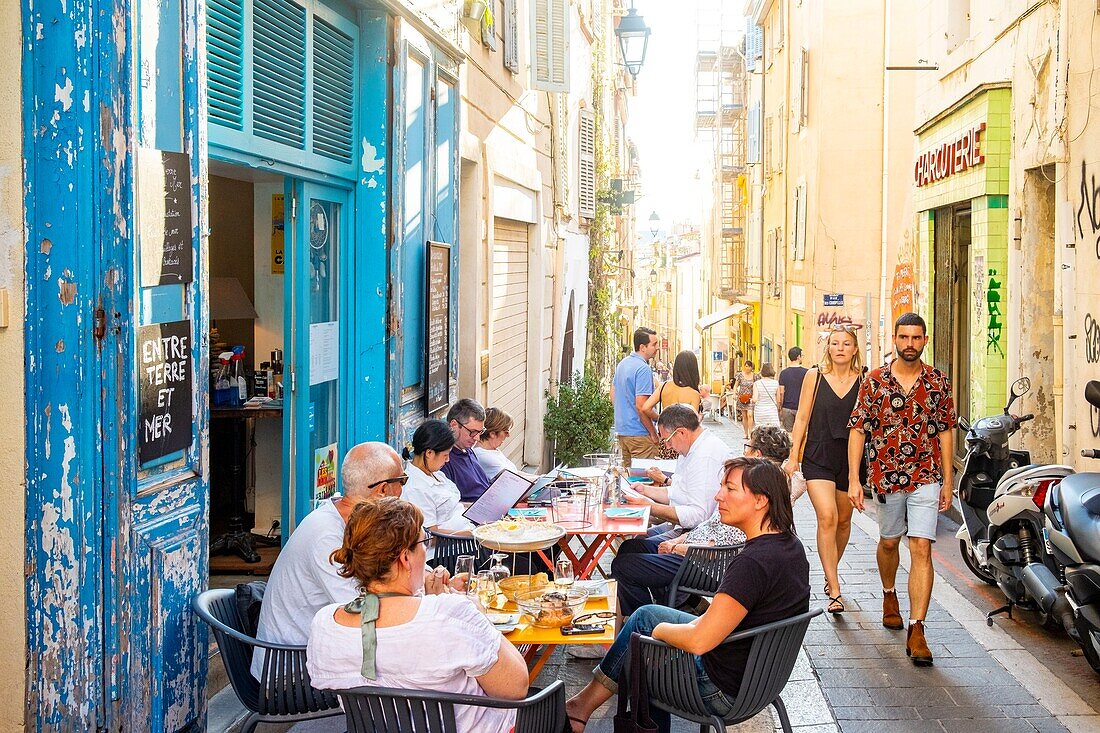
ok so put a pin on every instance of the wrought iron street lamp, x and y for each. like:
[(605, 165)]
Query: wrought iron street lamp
[(654, 224), (633, 35)]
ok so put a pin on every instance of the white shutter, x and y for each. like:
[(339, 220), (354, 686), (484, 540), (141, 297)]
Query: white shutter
[(550, 45), (561, 142), (586, 164), (511, 36)]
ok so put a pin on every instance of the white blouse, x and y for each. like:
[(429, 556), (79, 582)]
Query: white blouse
[(493, 461), (444, 647), (438, 498)]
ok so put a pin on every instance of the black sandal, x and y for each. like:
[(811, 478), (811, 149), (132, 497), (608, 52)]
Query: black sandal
[(569, 728), (834, 602)]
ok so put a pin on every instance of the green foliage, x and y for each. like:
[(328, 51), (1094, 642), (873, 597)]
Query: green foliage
[(578, 418), (602, 338)]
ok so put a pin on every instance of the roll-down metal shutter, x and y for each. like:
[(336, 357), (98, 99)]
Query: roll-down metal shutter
[(508, 330)]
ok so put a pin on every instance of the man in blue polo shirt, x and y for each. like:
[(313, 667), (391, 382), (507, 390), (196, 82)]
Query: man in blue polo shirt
[(631, 387), (467, 419)]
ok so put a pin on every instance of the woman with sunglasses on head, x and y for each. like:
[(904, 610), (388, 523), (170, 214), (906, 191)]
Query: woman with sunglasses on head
[(428, 488), (390, 636), (768, 581), (820, 448)]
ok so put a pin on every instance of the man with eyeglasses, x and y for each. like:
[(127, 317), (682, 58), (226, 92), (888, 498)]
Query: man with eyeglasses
[(304, 579), (688, 498), (466, 419)]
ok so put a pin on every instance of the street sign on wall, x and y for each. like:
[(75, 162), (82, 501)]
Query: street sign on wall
[(833, 300)]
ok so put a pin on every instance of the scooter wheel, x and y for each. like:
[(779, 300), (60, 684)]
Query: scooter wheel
[(972, 564), (1089, 639)]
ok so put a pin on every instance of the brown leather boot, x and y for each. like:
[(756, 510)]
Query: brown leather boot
[(916, 647), (891, 614)]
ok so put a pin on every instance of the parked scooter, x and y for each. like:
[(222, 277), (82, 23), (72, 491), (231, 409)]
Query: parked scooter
[(1072, 514), (1001, 493)]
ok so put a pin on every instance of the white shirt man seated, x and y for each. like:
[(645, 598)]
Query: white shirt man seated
[(688, 499), (304, 579)]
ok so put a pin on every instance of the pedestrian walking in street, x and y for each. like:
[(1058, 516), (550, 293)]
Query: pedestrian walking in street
[(819, 449), (906, 412), (765, 399), (630, 389), (742, 389), (683, 388), (790, 388)]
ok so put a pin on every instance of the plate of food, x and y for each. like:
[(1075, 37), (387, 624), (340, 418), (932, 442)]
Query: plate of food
[(517, 534), (503, 622)]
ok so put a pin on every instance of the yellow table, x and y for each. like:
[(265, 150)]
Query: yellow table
[(550, 639)]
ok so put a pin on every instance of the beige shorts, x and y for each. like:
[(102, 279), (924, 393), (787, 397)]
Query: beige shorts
[(637, 446)]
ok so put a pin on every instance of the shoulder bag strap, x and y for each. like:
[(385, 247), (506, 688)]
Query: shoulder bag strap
[(810, 412)]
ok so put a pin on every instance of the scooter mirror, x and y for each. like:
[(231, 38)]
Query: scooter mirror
[(964, 423), (1092, 393), (1021, 387)]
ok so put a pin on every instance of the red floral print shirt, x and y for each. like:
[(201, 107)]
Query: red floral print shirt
[(903, 451)]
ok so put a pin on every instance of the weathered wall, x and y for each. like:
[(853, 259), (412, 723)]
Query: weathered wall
[(1078, 249), (13, 648)]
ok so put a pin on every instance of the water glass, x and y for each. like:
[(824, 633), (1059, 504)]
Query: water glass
[(563, 573), (464, 565)]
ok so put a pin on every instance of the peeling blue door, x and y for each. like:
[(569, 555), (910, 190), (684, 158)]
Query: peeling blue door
[(116, 531)]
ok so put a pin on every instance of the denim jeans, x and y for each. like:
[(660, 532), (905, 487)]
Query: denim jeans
[(644, 620)]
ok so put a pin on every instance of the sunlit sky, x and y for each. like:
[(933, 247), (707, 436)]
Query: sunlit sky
[(662, 118)]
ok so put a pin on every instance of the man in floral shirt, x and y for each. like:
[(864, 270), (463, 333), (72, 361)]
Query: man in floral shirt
[(906, 411)]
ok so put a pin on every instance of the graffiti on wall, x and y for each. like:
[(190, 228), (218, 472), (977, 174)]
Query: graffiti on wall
[(1092, 339), (995, 327), (1087, 211)]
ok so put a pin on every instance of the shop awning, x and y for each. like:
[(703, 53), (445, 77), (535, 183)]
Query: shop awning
[(737, 309)]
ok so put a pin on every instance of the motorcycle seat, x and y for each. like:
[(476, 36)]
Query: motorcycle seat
[(1080, 504)]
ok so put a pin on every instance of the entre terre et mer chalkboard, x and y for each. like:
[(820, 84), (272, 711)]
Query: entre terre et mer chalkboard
[(165, 370), (437, 367)]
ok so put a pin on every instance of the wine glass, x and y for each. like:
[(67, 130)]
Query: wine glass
[(464, 565), (485, 590), (563, 573), (499, 570)]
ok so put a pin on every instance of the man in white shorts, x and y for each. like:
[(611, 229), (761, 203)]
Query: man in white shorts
[(906, 412)]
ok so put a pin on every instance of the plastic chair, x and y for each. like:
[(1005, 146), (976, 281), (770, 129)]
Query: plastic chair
[(673, 687), (448, 547), (283, 694), (701, 571), (388, 710)]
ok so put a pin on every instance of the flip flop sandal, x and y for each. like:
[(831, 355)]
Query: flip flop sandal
[(834, 602), (569, 728)]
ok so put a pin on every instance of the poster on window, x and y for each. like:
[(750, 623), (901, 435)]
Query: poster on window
[(324, 472), (165, 370)]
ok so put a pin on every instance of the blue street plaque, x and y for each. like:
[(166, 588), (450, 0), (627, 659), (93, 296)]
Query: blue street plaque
[(834, 300)]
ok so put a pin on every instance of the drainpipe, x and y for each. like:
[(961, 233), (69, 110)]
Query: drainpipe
[(885, 223)]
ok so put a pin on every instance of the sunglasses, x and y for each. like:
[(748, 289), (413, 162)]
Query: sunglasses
[(601, 615), (426, 541), (846, 327), (399, 480)]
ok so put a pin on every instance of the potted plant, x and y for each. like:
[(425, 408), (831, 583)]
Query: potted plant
[(578, 420)]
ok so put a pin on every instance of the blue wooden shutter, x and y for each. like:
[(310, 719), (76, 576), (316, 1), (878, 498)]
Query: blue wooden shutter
[(333, 91), (279, 72), (754, 44), (225, 62)]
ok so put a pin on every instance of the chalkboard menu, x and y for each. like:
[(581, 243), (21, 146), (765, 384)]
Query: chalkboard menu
[(165, 371), (164, 216), (437, 367)]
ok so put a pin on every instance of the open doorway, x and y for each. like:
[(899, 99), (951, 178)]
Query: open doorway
[(954, 303), (247, 307)]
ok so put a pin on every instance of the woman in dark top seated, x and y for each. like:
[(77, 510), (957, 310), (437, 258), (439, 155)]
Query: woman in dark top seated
[(768, 581)]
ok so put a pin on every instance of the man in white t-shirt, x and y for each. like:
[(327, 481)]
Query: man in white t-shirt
[(688, 498), (304, 580)]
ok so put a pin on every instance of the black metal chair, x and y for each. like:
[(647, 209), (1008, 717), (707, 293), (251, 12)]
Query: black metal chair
[(448, 547), (701, 571), (283, 694), (388, 710), (672, 685)]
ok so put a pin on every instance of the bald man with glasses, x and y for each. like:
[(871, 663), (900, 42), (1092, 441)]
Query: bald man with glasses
[(304, 579)]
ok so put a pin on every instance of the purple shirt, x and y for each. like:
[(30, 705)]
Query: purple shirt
[(467, 473)]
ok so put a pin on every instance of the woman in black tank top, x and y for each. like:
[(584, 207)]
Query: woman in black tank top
[(820, 448)]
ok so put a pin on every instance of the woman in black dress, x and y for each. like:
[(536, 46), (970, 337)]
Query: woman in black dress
[(820, 448)]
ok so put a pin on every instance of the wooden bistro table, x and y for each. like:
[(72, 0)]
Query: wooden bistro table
[(595, 531), (542, 642)]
